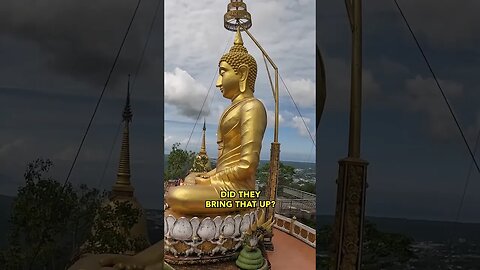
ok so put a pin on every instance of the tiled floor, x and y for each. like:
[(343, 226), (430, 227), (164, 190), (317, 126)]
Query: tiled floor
[(291, 253)]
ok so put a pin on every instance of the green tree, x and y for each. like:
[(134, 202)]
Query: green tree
[(87, 205), (324, 235), (111, 230), (385, 250), (285, 176), (305, 186), (179, 163), (40, 219), (381, 250), (309, 187), (49, 221)]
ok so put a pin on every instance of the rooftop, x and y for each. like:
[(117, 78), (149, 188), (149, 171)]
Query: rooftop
[(291, 252)]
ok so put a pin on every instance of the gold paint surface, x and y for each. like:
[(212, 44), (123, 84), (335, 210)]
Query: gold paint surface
[(239, 137)]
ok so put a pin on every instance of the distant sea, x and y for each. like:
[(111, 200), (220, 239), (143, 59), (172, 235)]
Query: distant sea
[(296, 164)]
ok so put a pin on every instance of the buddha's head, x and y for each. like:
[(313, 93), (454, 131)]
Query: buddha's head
[(238, 71)]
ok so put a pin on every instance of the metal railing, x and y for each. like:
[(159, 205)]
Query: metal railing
[(307, 206), (299, 194)]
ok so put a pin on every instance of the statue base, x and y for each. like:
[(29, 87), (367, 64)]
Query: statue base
[(219, 266), (191, 240), (189, 261)]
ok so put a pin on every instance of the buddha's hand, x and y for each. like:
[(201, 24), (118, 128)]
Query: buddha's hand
[(122, 262), (190, 179)]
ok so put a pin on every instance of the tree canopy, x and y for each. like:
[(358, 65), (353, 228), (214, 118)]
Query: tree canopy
[(285, 176), (50, 221), (179, 163), (111, 230), (381, 250)]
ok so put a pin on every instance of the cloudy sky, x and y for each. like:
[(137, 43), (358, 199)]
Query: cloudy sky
[(55, 57), (195, 39), (418, 161)]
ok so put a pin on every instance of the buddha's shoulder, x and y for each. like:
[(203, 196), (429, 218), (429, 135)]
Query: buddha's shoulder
[(253, 103)]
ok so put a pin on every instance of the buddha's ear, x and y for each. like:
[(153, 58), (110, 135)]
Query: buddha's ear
[(243, 72)]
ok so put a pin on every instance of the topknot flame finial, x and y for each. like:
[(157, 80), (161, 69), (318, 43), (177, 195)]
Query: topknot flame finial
[(238, 38)]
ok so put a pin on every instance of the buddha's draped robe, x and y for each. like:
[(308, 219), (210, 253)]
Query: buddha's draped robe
[(239, 137)]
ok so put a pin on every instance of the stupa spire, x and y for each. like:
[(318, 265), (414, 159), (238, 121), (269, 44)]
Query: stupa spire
[(123, 185), (201, 163), (203, 148)]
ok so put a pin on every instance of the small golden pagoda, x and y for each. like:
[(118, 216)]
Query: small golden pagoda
[(123, 190), (201, 163)]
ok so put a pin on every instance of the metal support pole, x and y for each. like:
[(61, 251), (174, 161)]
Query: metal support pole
[(271, 189), (352, 173)]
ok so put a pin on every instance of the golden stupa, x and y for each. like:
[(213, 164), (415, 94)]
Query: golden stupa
[(202, 163)]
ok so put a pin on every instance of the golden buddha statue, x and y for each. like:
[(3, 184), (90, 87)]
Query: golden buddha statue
[(239, 137)]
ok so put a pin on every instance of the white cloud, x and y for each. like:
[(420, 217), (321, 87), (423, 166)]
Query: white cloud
[(18, 151), (10, 148), (96, 154), (424, 96), (444, 23), (185, 93), (302, 91), (300, 125), (338, 85), (271, 119), (167, 139)]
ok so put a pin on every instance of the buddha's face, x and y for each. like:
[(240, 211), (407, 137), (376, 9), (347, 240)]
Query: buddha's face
[(228, 81)]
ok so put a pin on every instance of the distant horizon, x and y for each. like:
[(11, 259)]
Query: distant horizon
[(284, 160), (410, 219)]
